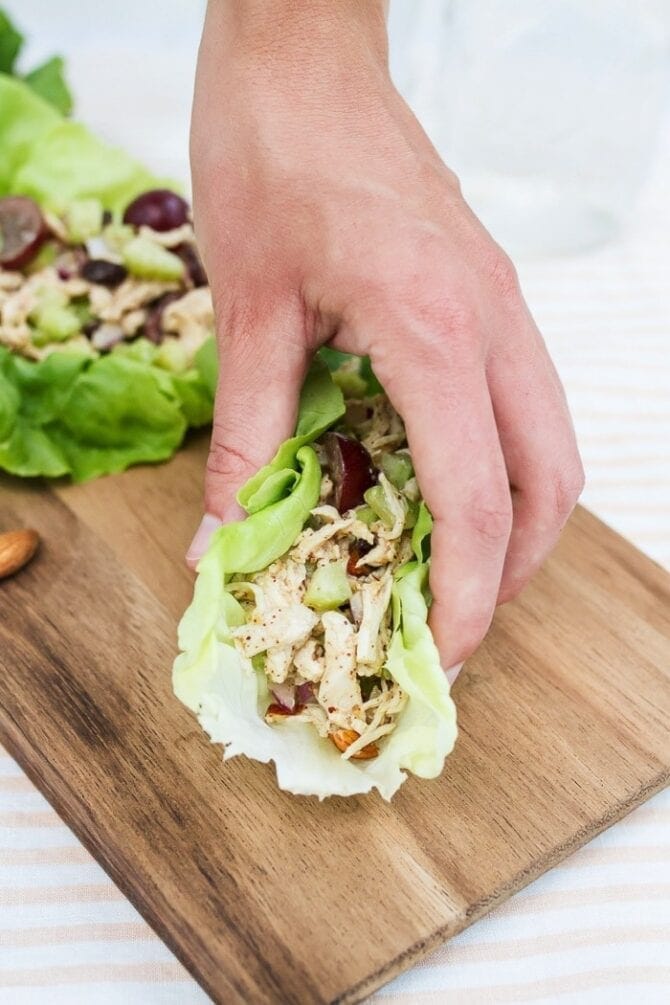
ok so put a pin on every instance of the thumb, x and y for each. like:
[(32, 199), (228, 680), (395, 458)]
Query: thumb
[(262, 364)]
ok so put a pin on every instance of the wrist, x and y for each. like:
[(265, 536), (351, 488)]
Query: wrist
[(321, 34)]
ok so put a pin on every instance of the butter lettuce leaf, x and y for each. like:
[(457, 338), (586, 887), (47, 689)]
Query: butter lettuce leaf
[(56, 161), (11, 42), (24, 119), (71, 414), (69, 163), (229, 696), (321, 404), (48, 80)]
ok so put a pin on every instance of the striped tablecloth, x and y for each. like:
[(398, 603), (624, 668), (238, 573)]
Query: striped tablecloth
[(594, 930)]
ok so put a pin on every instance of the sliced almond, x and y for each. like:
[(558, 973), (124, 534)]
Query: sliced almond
[(343, 738), (17, 547)]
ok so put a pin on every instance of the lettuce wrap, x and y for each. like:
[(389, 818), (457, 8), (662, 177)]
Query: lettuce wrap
[(283, 592), (106, 329)]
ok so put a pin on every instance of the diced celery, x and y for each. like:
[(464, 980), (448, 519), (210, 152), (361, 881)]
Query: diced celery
[(140, 349), (412, 513), (376, 500), (83, 219), (55, 324), (82, 308), (349, 382), (397, 468), (172, 355), (48, 296), (328, 587), (147, 260), (366, 515), (117, 235), (45, 256)]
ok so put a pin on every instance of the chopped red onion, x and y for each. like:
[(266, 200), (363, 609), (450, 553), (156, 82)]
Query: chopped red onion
[(284, 695), (305, 693)]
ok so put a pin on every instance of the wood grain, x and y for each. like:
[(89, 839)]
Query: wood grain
[(269, 898)]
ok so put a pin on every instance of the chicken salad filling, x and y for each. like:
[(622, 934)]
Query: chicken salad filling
[(86, 283), (318, 620)]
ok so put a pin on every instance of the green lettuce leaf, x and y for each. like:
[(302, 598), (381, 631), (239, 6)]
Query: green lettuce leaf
[(118, 413), (229, 696), (31, 397), (321, 404), (24, 120), (73, 415), (48, 80), (196, 387), (335, 358), (11, 41), (70, 163), (57, 162)]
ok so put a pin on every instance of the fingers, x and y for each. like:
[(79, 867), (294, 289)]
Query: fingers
[(262, 366), (540, 450), (459, 464)]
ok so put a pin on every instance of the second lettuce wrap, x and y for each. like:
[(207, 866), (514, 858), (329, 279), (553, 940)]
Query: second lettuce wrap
[(70, 404)]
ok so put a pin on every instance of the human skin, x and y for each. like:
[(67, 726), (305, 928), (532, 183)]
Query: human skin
[(325, 215)]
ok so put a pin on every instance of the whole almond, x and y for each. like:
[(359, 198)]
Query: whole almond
[(17, 547), (343, 738)]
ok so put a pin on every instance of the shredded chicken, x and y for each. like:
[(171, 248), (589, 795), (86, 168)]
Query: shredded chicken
[(333, 661), (339, 691), (131, 294), (311, 542), (375, 597), (279, 626), (385, 428), (309, 660), (169, 238)]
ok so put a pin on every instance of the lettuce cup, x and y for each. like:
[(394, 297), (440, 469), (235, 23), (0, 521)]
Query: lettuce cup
[(307, 641)]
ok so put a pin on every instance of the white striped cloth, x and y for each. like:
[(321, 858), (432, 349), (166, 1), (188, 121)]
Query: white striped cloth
[(594, 930)]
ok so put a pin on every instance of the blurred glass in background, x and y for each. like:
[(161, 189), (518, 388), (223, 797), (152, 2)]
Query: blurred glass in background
[(547, 110)]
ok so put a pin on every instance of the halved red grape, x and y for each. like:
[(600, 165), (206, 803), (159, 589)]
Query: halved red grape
[(103, 272), (158, 208), (357, 549), (153, 326), (191, 259), (22, 231), (351, 470)]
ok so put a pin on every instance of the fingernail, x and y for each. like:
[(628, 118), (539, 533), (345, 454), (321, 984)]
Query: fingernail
[(198, 545), (454, 672)]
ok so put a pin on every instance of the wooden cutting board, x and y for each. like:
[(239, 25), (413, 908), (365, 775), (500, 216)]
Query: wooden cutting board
[(269, 898)]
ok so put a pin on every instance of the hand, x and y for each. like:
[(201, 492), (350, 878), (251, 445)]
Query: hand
[(325, 215)]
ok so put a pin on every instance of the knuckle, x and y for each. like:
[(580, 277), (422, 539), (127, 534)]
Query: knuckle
[(503, 276), (459, 315), (491, 521), (229, 459), (567, 487), (453, 181)]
